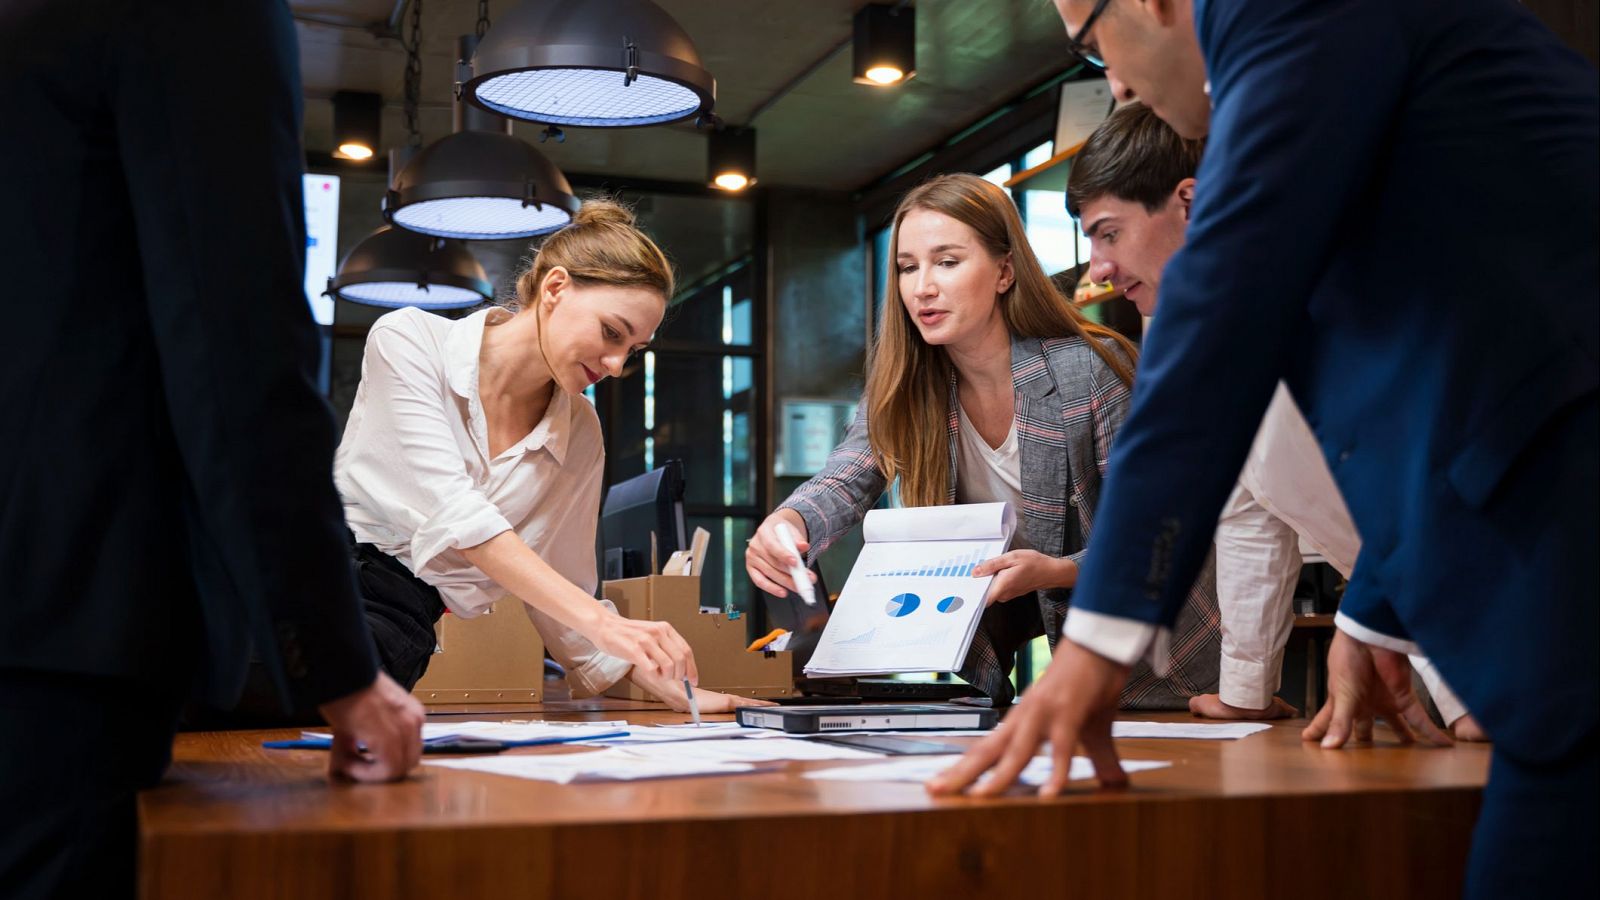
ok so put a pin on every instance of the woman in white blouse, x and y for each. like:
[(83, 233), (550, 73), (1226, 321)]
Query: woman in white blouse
[(471, 466)]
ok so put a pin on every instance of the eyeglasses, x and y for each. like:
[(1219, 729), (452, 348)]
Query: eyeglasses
[(1078, 48)]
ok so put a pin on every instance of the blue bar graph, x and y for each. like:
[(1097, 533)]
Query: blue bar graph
[(951, 567)]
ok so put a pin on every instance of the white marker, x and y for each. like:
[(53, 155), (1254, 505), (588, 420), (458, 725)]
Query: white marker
[(802, 578)]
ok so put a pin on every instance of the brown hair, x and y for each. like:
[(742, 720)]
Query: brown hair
[(1133, 156), (908, 393), (602, 245)]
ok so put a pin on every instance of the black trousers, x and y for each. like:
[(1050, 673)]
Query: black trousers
[(401, 610), (74, 750)]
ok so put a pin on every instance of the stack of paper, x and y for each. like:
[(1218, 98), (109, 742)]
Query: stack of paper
[(911, 603)]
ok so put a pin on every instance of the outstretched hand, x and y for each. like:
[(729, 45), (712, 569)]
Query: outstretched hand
[(1364, 682), (1020, 572), (1072, 704)]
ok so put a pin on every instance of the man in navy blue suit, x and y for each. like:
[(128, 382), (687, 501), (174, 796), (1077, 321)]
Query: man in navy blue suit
[(166, 490), (1372, 167)]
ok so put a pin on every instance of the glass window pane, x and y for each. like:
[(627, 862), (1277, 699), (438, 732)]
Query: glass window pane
[(998, 175), (1037, 155), (1054, 234), (704, 410)]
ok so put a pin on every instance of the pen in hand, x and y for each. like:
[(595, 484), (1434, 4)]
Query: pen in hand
[(694, 706)]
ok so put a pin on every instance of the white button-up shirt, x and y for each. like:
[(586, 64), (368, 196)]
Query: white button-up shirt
[(418, 482), (1285, 497)]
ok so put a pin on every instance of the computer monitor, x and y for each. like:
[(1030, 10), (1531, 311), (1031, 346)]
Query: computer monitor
[(635, 509)]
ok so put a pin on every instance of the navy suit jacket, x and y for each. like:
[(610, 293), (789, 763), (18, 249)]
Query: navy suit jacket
[(166, 471), (1397, 215)]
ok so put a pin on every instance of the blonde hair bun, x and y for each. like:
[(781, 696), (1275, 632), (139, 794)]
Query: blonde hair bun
[(604, 212)]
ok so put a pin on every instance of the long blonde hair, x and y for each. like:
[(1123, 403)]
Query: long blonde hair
[(908, 380)]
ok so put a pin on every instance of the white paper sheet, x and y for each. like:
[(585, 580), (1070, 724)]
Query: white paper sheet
[(612, 764), (911, 603), (1203, 731), (729, 751), (922, 768)]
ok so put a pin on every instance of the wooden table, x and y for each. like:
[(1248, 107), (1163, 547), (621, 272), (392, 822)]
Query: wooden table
[(1266, 816)]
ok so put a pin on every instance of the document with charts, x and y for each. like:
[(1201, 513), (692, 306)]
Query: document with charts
[(911, 603)]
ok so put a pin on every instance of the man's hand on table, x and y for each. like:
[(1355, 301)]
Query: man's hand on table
[(1210, 706), (1072, 704), (377, 732), (1365, 681)]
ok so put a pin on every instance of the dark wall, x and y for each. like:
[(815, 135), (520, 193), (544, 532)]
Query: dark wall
[(819, 320)]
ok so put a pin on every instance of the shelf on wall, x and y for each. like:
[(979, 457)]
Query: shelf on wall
[(1050, 175)]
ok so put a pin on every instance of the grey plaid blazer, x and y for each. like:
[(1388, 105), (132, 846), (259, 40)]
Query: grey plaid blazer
[(1069, 405)]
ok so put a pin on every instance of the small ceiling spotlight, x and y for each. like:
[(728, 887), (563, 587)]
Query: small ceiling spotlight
[(885, 46), (357, 121), (731, 158)]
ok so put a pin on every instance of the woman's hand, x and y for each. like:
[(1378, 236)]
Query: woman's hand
[(1022, 572), (768, 562), (671, 692), (654, 648)]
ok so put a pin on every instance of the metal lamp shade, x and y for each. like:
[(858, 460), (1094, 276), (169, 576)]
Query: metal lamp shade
[(480, 185), (393, 267), (603, 63)]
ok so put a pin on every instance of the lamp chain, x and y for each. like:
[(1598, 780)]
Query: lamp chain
[(413, 76), (483, 18)]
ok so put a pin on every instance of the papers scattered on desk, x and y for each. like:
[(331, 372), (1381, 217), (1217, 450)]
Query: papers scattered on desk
[(611, 764), (661, 734), (505, 731), (765, 750), (661, 759), (922, 768), (1204, 731)]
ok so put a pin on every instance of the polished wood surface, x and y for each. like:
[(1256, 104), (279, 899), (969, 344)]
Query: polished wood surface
[(1266, 816)]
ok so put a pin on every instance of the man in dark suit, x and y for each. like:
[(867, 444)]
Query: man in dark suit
[(1371, 166), (166, 497)]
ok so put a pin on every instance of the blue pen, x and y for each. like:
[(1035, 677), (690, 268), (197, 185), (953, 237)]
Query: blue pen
[(455, 743)]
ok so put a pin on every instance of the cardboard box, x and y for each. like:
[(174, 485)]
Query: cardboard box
[(718, 643), (497, 657)]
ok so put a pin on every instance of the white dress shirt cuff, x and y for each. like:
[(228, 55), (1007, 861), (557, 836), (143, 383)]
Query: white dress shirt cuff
[(1124, 641), (1450, 706), (1376, 638), (1250, 683)]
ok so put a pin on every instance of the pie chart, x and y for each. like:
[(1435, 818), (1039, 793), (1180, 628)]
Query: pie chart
[(949, 604), (903, 605)]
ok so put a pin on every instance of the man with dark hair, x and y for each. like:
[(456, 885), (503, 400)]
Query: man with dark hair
[(1132, 188), (167, 504), (1339, 245)]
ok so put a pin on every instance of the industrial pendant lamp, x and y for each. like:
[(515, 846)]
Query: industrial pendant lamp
[(602, 63), (479, 183), (394, 267), (884, 48), (731, 158)]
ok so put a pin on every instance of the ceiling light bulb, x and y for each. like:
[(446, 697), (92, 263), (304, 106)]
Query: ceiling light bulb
[(732, 181), (355, 151), (885, 74)]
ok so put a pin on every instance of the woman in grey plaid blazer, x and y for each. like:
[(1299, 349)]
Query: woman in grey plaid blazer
[(966, 289)]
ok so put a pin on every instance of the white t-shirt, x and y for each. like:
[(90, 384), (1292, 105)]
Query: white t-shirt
[(418, 482), (986, 474)]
